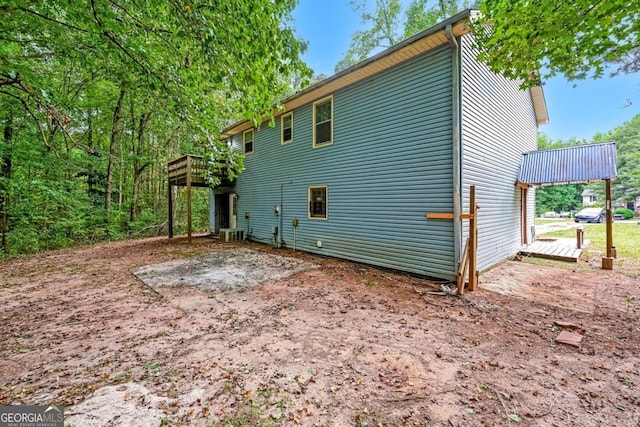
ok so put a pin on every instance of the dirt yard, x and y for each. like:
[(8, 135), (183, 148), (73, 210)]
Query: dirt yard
[(332, 344)]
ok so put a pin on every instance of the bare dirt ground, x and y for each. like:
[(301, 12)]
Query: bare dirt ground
[(340, 344)]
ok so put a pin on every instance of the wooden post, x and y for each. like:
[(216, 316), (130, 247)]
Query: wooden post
[(473, 239), (579, 237), (523, 206), (463, 264), (189, 199), (607, 262), (170, 195)]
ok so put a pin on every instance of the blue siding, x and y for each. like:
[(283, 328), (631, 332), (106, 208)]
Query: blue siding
[(390, 164), (498, 125)]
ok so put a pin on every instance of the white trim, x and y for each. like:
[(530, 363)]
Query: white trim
[(253, 141), (326, 202), (282, 117), (322, 101)]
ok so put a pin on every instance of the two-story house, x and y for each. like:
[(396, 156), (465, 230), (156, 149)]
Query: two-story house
[(356, 161)]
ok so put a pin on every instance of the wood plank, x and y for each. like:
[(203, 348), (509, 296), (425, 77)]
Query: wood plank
[(462, 268), (439, 215), (560, 249), (473, 239)]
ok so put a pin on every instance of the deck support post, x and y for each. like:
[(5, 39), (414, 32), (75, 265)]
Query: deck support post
[(607, 262), (170, 205), (190, 171), (189, 199)]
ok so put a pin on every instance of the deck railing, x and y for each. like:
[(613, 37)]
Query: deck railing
[(186, 169)]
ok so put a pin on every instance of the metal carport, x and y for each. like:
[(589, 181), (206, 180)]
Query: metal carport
[(573, 165)]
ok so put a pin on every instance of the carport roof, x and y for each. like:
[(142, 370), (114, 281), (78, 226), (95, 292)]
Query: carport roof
[(570, 165)]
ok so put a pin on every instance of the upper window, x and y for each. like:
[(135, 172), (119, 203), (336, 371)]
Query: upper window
[(247, 141), (318, 202), (323, 122), (286, 125)]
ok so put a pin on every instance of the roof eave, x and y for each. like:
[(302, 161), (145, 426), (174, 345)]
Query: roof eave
[(539, 105), (422, 42)]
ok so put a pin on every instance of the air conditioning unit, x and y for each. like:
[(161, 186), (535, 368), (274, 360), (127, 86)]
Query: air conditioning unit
[(231, 235)]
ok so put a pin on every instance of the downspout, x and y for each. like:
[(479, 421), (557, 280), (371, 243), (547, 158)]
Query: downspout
[(457, 155)]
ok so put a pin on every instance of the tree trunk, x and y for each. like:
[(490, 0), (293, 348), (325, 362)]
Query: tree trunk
[(95, 188), (138, 165), (115, 130), (5, 174)]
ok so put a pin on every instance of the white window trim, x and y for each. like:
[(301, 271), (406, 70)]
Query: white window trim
[(326, 203), (282, 141), (321, 101), (244, 142)]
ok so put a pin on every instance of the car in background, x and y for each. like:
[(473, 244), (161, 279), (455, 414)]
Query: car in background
[(590, 215)]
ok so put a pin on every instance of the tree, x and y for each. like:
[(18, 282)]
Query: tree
[(384, 31), (419, 16), (187, 51), (385, 27), (626, 187), (96, 97), (558, 198), (529, 41)]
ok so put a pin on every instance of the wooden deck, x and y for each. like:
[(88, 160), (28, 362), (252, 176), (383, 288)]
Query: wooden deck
[(187, 171), (561, 249)]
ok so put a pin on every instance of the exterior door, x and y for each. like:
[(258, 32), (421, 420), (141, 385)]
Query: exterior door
[(222, 211)]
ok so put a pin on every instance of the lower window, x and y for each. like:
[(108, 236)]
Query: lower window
[(318, 202)]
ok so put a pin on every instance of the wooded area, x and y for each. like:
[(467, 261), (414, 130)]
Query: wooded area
[(624, 189), (96, 98)]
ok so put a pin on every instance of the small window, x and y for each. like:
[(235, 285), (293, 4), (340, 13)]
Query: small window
[(323, 122), (286, 123), (318, 202), (247, 141)]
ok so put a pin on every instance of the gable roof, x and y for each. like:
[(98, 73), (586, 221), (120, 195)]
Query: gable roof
[(403, 51), (571, 165)]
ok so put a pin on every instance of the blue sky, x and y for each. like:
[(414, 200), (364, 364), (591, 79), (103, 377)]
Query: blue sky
[(576, 109)]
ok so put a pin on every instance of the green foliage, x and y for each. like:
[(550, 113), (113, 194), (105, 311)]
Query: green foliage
[(577, 38), (626, 187), (383, 32), (223, 162), (187, 53), (559, 198), (385, 28), (545, 143), (97, 98), (626, 213), (419, 16), (563, 198), (627, 137)]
